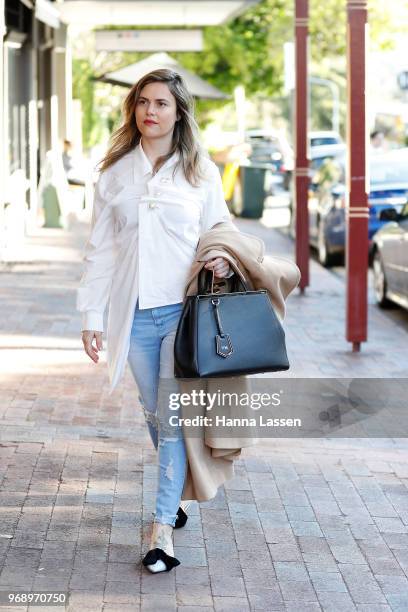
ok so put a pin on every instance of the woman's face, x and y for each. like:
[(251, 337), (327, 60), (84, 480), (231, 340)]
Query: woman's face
[(156, 111)]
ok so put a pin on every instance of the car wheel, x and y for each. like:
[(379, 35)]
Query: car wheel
[(380, 281), (324, 256)]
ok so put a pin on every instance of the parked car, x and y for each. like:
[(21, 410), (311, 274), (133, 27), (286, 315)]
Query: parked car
[(320, 153), (390, 258), (328, 137), (327, 196), (322, 158), (270, 147)]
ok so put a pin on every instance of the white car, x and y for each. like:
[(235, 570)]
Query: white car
[(323, 138)]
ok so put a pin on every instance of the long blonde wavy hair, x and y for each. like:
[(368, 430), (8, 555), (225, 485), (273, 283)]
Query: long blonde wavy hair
[(185, 134)]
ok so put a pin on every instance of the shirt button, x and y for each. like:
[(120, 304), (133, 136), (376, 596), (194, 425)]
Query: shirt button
[(152, 205)]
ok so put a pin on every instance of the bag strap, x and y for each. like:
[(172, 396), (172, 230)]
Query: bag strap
[(205, 285)]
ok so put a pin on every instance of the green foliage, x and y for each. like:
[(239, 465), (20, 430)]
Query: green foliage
[(328, 26), (84, 89)]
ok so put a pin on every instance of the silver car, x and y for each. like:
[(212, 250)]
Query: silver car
[(390, 258)]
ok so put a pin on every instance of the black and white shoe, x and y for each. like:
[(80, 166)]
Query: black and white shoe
[(156, 560)]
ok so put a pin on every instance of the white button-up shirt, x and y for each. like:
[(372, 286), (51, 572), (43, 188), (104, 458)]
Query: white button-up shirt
[(144, 234)]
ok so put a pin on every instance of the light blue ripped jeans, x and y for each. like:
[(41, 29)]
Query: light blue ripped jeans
[(151, 361)]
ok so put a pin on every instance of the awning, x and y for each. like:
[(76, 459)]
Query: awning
[(128, 76), (47, 12), (151, 12)]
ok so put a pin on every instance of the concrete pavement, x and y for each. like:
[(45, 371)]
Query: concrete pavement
[(305, 524)]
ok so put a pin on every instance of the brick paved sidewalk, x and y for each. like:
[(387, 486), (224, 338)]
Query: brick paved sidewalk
[(304, 525)]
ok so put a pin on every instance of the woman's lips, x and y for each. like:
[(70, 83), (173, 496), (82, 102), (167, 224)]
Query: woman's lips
[(149, 122)]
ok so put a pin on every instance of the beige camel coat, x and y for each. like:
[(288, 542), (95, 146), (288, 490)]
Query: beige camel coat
[(210, 459)]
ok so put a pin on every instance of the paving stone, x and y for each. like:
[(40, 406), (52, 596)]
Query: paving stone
[(190, 557), (320, 562), (122, 593), (382, 566), (373, 608), (123, 606), (192, 575), (279, 535), (331, 582), (231, 604), (223, 548), (396, 540), (157, 603), (195, 608), (85, 599), (300, 513), (290, 570), (121, 572), (265, 599), (254, 578), (250, 541), (392, 585), (163, 583), (296, 605), (390, 525), (300, 591), (306, 528), (285, 552), (123, 553), (228, 586), (218, 567), (361, 584), (398, 602), (336, 602), (259, 558), (194, 595)]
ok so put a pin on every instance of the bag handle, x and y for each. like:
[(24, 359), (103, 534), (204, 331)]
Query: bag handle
[(206, 283)]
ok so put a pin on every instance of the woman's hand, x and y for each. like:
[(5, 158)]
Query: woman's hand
[(220, 265), (90, 349)]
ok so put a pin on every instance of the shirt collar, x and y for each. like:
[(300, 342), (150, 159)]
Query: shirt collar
[(143, 164)]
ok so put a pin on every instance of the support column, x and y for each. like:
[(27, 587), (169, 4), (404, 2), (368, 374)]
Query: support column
[(301, 141), (357, 203)]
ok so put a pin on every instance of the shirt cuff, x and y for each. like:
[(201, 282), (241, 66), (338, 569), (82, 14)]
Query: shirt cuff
[(92, 321)]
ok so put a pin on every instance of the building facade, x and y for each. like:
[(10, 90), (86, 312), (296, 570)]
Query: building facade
[(35, 88)]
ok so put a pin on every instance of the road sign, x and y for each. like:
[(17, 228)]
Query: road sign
[(149, 40)]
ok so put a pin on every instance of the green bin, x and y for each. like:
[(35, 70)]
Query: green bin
[(249, 192), (50, 204)]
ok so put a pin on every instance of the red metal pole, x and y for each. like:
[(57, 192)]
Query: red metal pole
[(357, 205), (301, 141)]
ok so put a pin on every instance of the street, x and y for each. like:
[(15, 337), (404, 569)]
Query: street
[(311, 524)]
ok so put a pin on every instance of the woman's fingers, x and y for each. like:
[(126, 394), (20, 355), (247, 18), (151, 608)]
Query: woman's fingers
[(219, 265), (90, 349), (98, 338)]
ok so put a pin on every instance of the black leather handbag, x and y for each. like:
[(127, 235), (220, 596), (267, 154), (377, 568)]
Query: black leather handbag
[(228, 334)]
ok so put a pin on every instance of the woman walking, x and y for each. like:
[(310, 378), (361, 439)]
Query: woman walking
[(156, 194)]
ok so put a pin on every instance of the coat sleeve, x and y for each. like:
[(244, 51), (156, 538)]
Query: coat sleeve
[(99, 256), (215, 209)]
